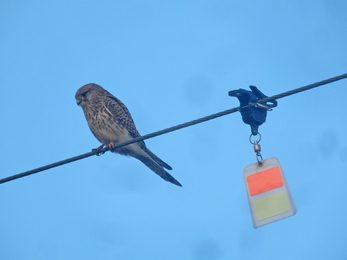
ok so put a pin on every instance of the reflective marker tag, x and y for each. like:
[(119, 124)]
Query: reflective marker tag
[(268, 193)]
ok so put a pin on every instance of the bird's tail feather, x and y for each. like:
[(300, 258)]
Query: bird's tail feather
[(157, 159), (154, 166)]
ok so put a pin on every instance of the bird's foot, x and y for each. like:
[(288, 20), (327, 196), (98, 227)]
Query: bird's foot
[(110, 146), (97, 150)]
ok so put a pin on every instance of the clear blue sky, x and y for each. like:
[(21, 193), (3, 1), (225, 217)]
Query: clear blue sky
[(171, 62)]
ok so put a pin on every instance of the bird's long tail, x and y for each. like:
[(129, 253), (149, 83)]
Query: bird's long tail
[(154, 166), (156, 158)]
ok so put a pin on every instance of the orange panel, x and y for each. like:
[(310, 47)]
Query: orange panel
[(264, 180)]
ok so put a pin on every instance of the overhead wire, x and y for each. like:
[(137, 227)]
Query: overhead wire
[(173, 128)]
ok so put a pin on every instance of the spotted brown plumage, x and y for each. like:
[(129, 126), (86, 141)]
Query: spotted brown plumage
[(110, 122)]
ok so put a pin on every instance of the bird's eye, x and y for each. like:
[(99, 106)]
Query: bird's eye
[(85, 93)]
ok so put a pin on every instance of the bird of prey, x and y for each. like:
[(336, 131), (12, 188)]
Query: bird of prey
[(111, 123)]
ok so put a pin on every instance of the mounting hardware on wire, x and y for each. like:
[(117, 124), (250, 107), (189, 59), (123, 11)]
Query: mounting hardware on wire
[(253, 112)]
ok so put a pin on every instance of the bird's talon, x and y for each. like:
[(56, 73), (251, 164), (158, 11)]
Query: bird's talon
[(110, 146), (97, 150)]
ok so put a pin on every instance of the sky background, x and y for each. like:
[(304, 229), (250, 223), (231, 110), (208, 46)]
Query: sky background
[(170, 62)]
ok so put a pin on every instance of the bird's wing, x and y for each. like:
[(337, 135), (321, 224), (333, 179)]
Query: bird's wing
[(121, 114)]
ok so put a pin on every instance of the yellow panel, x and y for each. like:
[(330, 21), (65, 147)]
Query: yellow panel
[(271, 205)]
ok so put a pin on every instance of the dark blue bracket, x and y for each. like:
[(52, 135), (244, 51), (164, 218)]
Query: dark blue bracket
[(253, 113)]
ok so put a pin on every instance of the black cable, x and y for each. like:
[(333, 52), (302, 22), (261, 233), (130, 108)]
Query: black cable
[(304, 88), (174, 128)]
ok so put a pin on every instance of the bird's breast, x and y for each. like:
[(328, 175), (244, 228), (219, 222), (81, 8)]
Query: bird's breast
[(107, 128)]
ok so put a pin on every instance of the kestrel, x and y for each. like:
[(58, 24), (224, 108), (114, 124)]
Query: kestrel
[(110, 122)]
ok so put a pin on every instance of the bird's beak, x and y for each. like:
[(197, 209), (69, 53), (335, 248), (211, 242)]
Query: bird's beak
[(78, 101)]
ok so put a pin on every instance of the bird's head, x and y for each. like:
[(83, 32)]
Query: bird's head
[(86, 93)]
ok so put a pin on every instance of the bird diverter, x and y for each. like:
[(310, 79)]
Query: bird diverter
[(267, 190)]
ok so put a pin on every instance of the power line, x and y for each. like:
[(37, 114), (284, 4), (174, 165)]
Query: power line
[(174, 128), (304, 88)]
